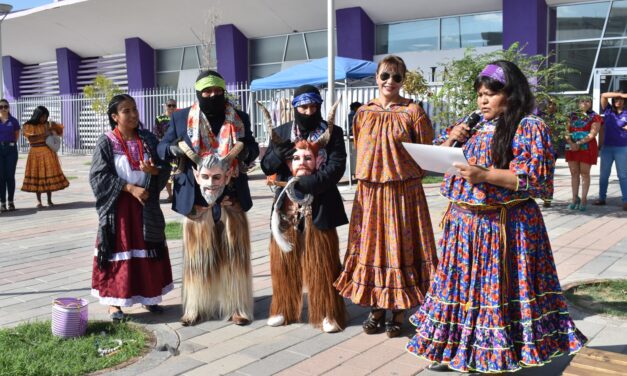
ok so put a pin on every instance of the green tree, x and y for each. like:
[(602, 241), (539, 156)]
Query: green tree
[(415, 83), (457, 97), (100, 93)]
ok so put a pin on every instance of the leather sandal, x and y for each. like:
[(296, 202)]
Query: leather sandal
[(373, 323), (393, 327)]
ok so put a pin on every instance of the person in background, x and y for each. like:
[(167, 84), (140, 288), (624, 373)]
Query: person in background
[(391, 255), (43, 171), (9, 133), (549, 117), (496, 303), (614, 144), (582, 153), (351, 115), (131, 262), (161, 125)]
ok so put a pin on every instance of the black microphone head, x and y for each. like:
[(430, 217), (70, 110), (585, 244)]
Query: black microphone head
[(473, 119)]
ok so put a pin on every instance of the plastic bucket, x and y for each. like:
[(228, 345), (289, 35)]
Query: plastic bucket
[(69, 317)]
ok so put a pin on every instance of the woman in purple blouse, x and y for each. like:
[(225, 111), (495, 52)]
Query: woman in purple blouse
[(614, 144), (9, 131)]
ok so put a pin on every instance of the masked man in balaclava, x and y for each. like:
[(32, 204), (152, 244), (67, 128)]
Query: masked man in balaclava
[(211, 125), (304, 249)]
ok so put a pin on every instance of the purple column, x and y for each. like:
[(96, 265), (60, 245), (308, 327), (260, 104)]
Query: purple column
[(11, 72), (525, 22), (141, 73), (355, 33), (232, 53), (68, 63), (140, 64)]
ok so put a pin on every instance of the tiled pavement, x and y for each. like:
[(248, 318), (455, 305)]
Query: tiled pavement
[(48, 253)]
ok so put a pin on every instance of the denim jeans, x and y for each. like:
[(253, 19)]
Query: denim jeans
[(609, 155), (8, 162)]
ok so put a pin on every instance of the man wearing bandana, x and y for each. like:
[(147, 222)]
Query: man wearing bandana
[(212, 126), (304, 249)]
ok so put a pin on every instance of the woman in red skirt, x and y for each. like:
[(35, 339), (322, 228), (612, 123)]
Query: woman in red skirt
[(582, 150), (131, 262)]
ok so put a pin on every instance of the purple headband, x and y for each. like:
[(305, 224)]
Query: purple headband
[(495, 72)]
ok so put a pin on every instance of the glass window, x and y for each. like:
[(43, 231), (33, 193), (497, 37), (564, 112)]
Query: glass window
[(413, 36), (581, 21), (317, 44), (295, 48), (578, 55), (203, 56), (482, 30), (260, 71), (169, 79), (190, 58), (267, 50), (169, 60), (449, 33), (381, 39), (613, 54), (617, 23)]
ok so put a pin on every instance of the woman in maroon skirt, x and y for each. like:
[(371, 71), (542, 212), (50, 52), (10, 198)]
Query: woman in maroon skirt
[(583, 127), (131, 263)]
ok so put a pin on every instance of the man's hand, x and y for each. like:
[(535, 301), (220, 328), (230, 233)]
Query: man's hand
[(284, 150), (176, 151)]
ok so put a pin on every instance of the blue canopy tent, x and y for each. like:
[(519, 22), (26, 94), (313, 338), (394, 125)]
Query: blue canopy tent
[(315, 73)]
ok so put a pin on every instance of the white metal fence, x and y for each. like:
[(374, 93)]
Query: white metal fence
[(83, 126)]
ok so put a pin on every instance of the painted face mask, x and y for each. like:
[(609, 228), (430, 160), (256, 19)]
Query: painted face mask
[(212, 182), (303, 162)]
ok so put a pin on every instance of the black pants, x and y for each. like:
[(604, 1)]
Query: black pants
[(8, 163)]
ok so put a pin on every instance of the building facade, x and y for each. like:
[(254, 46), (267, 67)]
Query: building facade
[(57, 49)]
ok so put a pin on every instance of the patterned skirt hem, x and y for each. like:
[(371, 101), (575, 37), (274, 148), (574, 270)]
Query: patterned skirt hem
[(381, 297), (128, 302), (520, 365)]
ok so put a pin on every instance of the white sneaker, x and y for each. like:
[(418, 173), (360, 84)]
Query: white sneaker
[(329, 326), (276, 320)]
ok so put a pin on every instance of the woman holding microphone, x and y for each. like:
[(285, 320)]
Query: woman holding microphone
[(496, 304)]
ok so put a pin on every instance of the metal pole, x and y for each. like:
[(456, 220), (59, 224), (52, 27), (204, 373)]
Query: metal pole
[(330, 54)]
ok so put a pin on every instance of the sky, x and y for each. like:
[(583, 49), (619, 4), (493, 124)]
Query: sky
[(25, 4)]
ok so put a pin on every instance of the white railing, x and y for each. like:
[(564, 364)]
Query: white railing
[(83, 126)]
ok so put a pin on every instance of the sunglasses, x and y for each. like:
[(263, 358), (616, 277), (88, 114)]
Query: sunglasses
[(171, 105), (4, 107), (386, 75)]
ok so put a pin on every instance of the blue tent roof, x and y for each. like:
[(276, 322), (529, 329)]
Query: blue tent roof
[(315, 73)]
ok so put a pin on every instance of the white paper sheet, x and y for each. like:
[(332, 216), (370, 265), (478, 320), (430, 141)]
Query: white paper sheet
[(436, 158)]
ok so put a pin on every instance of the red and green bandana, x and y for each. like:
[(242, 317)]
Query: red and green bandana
[(205, 142)]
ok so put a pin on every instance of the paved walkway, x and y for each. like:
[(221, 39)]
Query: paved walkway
[(48, 253)]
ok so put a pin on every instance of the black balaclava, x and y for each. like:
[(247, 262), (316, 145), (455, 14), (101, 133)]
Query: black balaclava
[(212, 107), (307, 123)]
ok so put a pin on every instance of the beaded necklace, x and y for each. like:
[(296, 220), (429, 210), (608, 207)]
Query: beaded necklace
[(134, 163)]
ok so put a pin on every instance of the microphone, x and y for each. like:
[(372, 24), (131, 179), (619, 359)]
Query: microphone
[(471, 120)]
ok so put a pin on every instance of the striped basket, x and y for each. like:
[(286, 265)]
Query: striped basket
[(69, 317)]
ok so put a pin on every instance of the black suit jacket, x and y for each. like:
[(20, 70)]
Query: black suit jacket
[(186, 190), (327, 207)]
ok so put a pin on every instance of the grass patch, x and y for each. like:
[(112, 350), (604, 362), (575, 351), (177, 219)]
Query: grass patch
[(606, 297), (71, 177), (88, 163), (174, 230), (31, 349), (432, 179)]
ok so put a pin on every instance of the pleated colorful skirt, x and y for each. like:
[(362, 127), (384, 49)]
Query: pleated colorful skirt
[(487, 311)]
